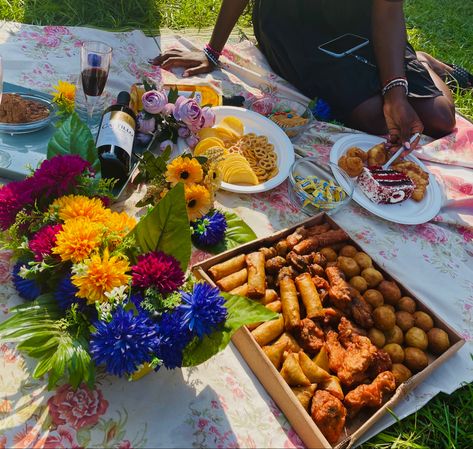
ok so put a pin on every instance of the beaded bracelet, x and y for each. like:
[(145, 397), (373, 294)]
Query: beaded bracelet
[(210, 57), (216, 53), (397, 82)]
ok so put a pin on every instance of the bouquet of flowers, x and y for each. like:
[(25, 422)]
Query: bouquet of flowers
[(104, 289)]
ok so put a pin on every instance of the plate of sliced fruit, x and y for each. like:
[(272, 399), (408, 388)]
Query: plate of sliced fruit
[(255, 155)]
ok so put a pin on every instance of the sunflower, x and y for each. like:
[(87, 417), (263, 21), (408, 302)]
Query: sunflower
[(119, 223), (78, 238), (101, 275), (64, 91), (198, 201), (184, 169), (75, 206)]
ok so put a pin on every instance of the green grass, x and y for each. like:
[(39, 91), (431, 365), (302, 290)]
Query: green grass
[(443, 28)]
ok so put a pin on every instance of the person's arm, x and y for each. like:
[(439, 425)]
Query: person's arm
[(196, 62), (389, 41)]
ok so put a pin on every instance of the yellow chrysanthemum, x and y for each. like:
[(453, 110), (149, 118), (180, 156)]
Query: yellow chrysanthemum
[(101, 275), (75, 206), (119, 223), (64, 90), (213, 178), (184, 169), (78, 239), (198, 201)]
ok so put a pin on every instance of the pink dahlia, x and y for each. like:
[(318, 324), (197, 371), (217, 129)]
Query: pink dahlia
[(58, 175), (13, 198), (43, 241), (158, 270)]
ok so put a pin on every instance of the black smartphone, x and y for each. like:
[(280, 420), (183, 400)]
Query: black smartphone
[(343, 45)]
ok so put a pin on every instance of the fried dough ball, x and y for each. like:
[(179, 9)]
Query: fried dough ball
[(348, 266), (329, 253), (357, 152), (353, 166), (377, 337), (417, 338), (377, 155), (390, 291), (373, 276), (423, 320), (404, 320), (438, 340), (394, 335), (384, 318), (395, 351), (359, 283), (374, 297), (407, 304), (401, 373), (363, 260), (415, 359), (348, 251)]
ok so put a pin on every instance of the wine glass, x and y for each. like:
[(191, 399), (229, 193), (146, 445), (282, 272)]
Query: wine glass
[(95, 59)]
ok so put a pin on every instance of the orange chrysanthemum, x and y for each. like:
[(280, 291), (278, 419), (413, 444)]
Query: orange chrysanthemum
[(119, 223), (74, 206), (101, 275), (77, 240), (184, 169), (198, 201)]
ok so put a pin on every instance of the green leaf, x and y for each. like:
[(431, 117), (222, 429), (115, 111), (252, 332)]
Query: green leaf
[(237, 233), (166, 228), (173, 94), (241, 311), (74, 137), (148, 84)]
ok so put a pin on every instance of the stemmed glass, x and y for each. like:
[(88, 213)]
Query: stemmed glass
[(95, 59)]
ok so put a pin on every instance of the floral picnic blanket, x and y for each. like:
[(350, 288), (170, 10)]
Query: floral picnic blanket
[(221, 403)]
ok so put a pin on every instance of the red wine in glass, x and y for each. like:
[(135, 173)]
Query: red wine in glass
[(93, 81)]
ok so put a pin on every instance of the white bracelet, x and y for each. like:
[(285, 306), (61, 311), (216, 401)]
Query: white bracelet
[(397, 82)]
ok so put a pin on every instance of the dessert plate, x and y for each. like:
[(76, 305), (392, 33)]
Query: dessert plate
[(408, 212)]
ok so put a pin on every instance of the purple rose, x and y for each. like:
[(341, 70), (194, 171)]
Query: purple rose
[(145, 125), (168, 109), (209, 117), (192, 140), (142, 138), (183, 132), (154, 101), (188, 111), (166, 143)]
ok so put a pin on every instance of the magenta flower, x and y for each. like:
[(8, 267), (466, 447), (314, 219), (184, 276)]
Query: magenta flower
[(43, 241), (156, 269), (154, 101), (209, 117), (188, 111), (13, 198)]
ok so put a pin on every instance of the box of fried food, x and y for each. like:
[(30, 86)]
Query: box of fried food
[(350, 340)]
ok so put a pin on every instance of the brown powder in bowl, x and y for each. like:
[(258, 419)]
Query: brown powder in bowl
[(16, 109)]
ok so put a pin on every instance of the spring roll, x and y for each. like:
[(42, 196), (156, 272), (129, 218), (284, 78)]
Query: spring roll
[(228, 267), (242, 290), (268, 331), (290, 303), (232, 281), (275, 306), (269, 296), (256, 275), (319, 241), (310, 296)]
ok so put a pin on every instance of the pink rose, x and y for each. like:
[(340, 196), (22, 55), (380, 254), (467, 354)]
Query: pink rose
[(144, 125), (65, 439), (192, 140), (209, 117), (183, 132), (188, 111), (263, 106), (168, 109), (5, 266), (432, 233), (154, 101), (202, 423), (80, 408), (49, 40), (56, 30)]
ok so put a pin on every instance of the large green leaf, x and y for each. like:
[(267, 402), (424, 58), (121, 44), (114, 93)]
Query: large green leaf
[(241, 311), (166, 228), (74, 137)]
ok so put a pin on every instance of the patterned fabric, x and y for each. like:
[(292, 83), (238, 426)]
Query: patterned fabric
[(221, 404)]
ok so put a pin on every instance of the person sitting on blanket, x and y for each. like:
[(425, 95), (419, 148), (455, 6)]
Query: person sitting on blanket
[(394, 91)]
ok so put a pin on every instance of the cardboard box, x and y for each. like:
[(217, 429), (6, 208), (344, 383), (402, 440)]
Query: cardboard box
[(275, 385)]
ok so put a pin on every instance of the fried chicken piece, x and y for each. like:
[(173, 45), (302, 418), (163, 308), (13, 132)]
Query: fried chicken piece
[(318, 229), (316, 270), (347, 330), (328, 238), (329, 414), (309, 336), (340, 290), (377, 155), (268, 252), (332, 315), (298, 262), (361, 310), (381, 362), (299, 234), (282, 248), (370, 395), (336, 352), (275, 264), (286, 272), (319, 259), (320, 283)]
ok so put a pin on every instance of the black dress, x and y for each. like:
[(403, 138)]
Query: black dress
[(289, 33)]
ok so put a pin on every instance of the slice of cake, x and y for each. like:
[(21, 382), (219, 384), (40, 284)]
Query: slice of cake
[(385, 186)]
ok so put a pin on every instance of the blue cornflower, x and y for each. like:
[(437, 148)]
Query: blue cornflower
[(210, 229), (137, 298), (65, 293), (174, 336), (26, 288), (322, 110), (203, 309), (125, 343)]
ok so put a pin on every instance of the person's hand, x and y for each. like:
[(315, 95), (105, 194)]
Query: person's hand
[(195, 62), (402, 121)]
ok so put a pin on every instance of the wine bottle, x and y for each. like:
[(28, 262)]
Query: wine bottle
[(115, 139)]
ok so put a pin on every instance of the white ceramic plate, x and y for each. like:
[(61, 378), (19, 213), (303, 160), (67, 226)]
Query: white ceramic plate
[(262, 126), (408, 212)]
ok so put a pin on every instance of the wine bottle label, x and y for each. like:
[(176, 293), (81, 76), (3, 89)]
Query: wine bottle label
[(117, 128)]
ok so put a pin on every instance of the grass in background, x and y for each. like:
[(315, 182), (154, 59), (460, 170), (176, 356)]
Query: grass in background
[(443, 28)]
